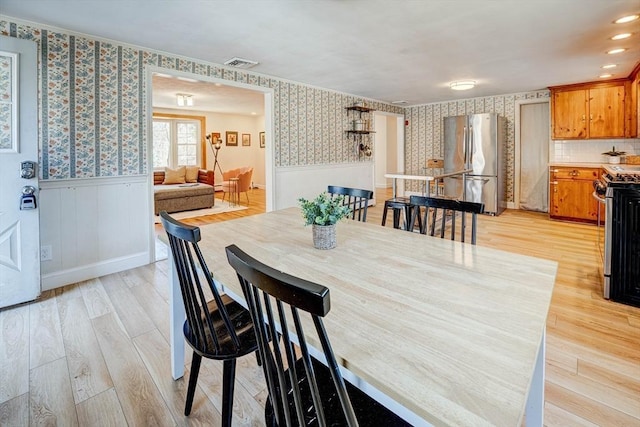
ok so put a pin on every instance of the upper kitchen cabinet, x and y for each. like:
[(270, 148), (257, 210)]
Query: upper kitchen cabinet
[(593, 110)]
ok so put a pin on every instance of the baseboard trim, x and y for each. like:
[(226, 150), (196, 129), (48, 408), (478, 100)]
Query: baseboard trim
[(73, 275)]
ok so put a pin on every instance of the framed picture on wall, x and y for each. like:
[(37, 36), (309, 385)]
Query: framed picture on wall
[(215, 136), (232, 138), (246, 139), (261, 139)]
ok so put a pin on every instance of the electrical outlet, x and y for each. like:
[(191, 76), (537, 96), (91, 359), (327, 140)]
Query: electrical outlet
[(46, 253)]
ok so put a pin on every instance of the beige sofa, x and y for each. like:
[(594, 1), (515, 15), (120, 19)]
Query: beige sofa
[(183, 197)]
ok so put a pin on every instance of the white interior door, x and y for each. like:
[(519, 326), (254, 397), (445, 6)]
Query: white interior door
[(534, 156), (19, 229)]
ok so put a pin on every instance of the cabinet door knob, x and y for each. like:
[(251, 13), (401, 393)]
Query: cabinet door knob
[(584, 117)]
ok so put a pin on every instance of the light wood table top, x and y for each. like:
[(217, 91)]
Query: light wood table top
[(450, 331)]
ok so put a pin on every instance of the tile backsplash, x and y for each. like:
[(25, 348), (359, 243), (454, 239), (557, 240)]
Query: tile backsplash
[(589, 150)]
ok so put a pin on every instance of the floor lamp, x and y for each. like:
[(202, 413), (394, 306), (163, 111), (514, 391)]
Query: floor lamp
[(215, 146)]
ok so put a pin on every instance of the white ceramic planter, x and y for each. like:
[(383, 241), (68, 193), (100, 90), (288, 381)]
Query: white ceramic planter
[(614, 160)]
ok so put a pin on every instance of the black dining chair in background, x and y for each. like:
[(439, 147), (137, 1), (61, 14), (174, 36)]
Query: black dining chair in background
[(357, 199), (302, 390), (219, 329), (401, 209), (450, 209)]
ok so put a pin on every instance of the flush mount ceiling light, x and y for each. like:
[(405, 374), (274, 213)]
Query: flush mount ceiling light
[(463, 85), (614, 51), (621, 36), (606, 67), (184, 100), (626, 19), (399, 102)]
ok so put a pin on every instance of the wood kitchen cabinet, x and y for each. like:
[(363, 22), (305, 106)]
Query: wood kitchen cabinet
[(570, 194), (593, 110)]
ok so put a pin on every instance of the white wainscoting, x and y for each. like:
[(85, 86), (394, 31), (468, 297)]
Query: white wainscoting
[(95, 227), (309, 181)]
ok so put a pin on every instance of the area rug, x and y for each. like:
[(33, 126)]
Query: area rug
[(220, 207)]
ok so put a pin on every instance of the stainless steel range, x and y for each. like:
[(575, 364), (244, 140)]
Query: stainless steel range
[(621, 187)]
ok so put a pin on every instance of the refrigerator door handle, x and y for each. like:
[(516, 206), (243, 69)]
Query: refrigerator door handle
[(464, 144), (470, 148)]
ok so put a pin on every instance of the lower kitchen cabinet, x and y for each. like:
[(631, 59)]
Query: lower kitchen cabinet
[(570, 194)]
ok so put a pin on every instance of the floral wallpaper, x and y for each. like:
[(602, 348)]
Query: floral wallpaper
[(424, 134), (93, 112)]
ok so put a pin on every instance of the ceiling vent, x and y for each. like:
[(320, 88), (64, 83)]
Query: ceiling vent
[(240, 63)]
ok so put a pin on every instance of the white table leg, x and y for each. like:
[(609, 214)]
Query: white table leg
[(394, 185), (535, 401), (177, 317)]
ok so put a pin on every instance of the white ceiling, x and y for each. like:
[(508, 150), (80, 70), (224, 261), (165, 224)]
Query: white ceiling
[(386, 50), (207, 96)]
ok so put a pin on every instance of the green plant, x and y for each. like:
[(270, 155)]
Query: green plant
[(323, 210)]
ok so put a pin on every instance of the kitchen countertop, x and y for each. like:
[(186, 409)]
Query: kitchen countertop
[(578, 164)]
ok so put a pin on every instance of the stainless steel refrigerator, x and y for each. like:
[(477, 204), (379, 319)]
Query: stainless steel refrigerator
[(476, 142)]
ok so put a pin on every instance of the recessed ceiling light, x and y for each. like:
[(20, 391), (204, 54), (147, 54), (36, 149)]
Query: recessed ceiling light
[(626, 19), (217, 84), (187, 79), (621, 36), (614, 51), (463, 85), (606, 67), (605, 76), (253, 113), (399, 102)]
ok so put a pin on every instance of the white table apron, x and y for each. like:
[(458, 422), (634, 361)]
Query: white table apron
[(480, 361)]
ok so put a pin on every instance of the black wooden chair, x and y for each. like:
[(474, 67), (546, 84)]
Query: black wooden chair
[(356, 198), (220, 329), (402, 210), (302, 391), (450, 209)]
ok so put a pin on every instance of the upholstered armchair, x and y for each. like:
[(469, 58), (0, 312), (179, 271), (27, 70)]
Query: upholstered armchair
[(243, 184)]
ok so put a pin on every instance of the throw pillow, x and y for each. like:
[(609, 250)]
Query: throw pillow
[(192, 173), (174, 176)]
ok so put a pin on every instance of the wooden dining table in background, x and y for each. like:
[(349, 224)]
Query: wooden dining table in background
[(443, 332)]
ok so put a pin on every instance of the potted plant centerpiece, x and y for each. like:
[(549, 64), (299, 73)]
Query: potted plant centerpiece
[(322, 214)]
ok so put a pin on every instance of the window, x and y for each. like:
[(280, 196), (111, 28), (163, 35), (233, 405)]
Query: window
[(176, 142)]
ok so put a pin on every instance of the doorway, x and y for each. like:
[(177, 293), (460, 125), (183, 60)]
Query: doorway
[(234, 97), (531, 190), (389, 148)]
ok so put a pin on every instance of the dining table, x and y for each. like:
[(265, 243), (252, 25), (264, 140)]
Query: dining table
[(439, 331)]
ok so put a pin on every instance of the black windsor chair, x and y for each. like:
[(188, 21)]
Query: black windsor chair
[(356, 198), (449, 208), (401, 211), (220, 329), (302, 391)]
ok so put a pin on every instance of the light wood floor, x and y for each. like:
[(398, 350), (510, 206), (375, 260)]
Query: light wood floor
[(97, 353)]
